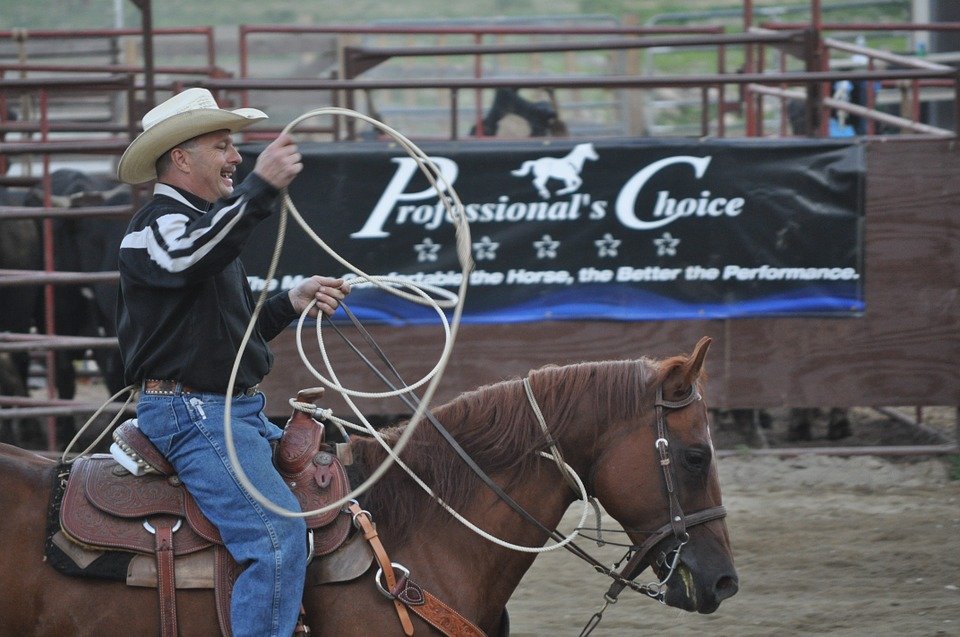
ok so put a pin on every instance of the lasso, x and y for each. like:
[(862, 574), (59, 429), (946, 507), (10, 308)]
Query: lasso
[(418, 293)]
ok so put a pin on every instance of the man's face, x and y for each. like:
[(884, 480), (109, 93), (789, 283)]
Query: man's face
[(213, 161)]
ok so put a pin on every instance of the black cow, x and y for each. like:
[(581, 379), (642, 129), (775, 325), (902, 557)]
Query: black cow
[(19, 250), (18, 241), (90, 244), (80, 245)]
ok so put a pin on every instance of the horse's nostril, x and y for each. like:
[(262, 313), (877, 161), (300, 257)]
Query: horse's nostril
[(726, 587)]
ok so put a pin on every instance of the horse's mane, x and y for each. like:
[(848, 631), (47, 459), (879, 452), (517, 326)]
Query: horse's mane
[(497, 427)]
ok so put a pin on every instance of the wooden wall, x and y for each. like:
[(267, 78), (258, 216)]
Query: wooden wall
[(903, 351)]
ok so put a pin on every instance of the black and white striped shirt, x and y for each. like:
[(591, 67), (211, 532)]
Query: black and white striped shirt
[(184, 301)]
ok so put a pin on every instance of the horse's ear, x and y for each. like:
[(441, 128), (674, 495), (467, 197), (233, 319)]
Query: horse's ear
[(681, 377), (696, 359)]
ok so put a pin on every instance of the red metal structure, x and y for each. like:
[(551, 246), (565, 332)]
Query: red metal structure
[(770, 58)]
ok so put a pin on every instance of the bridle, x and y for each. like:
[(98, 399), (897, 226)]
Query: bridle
[(677, 526), (678, 520)]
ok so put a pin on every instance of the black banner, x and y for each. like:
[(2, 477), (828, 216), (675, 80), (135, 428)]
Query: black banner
[(614, 229)]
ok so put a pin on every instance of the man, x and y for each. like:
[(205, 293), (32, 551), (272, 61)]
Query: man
[(184, 305)]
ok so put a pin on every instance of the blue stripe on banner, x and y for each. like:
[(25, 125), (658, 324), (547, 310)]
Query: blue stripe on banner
[(625, 305)]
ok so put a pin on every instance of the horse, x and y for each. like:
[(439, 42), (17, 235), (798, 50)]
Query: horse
[(750, 423), (634, 432), (802, 420), (512, 116), (566, 169)]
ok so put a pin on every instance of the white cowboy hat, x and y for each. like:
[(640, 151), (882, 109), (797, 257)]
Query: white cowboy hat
[(184, 116)]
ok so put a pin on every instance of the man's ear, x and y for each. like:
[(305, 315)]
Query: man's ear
[(180, 159)]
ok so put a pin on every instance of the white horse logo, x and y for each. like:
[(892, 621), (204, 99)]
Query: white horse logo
[(567, 169)]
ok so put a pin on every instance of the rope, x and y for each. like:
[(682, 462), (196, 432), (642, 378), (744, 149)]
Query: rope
[(336, 386), (454, 207), (437, 180), (392, 285), (131, 391), (394, 456)]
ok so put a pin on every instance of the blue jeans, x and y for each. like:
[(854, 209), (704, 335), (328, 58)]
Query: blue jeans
[(189, 430)]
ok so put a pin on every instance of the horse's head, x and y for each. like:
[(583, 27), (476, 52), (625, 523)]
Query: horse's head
[(588, 151), (657, 475)]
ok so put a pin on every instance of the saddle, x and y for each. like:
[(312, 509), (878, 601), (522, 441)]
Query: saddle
[(107, 507)]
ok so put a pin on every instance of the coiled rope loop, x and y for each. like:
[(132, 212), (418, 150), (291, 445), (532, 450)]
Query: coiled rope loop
[(418, 293), (455, 212)]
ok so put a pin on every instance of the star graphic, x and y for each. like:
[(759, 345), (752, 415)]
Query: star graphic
[(485, 249), (427, 251), (607, 246), (546, 247), (666, 245)]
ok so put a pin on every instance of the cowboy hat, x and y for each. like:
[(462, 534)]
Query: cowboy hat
[(184, 116)]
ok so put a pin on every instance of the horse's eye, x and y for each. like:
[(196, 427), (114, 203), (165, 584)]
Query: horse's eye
[(695, 460)]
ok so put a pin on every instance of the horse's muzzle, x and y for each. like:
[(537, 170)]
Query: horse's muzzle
[(700, 593)]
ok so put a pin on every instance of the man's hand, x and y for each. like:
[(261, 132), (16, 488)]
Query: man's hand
[(325, 290), (279, 162)]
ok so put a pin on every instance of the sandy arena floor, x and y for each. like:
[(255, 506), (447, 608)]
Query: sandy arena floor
[(851, 547)]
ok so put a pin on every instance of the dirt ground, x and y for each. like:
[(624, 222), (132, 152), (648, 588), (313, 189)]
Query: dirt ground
[(824, 545)]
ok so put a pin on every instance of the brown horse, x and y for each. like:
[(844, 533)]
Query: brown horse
[(635, 432)]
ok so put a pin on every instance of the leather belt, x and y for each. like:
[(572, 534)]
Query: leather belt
[(162, 387)]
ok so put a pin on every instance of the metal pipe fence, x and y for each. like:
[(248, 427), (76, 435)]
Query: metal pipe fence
[(751, 82)]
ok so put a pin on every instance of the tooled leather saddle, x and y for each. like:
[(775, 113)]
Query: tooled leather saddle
[(106, 507)]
